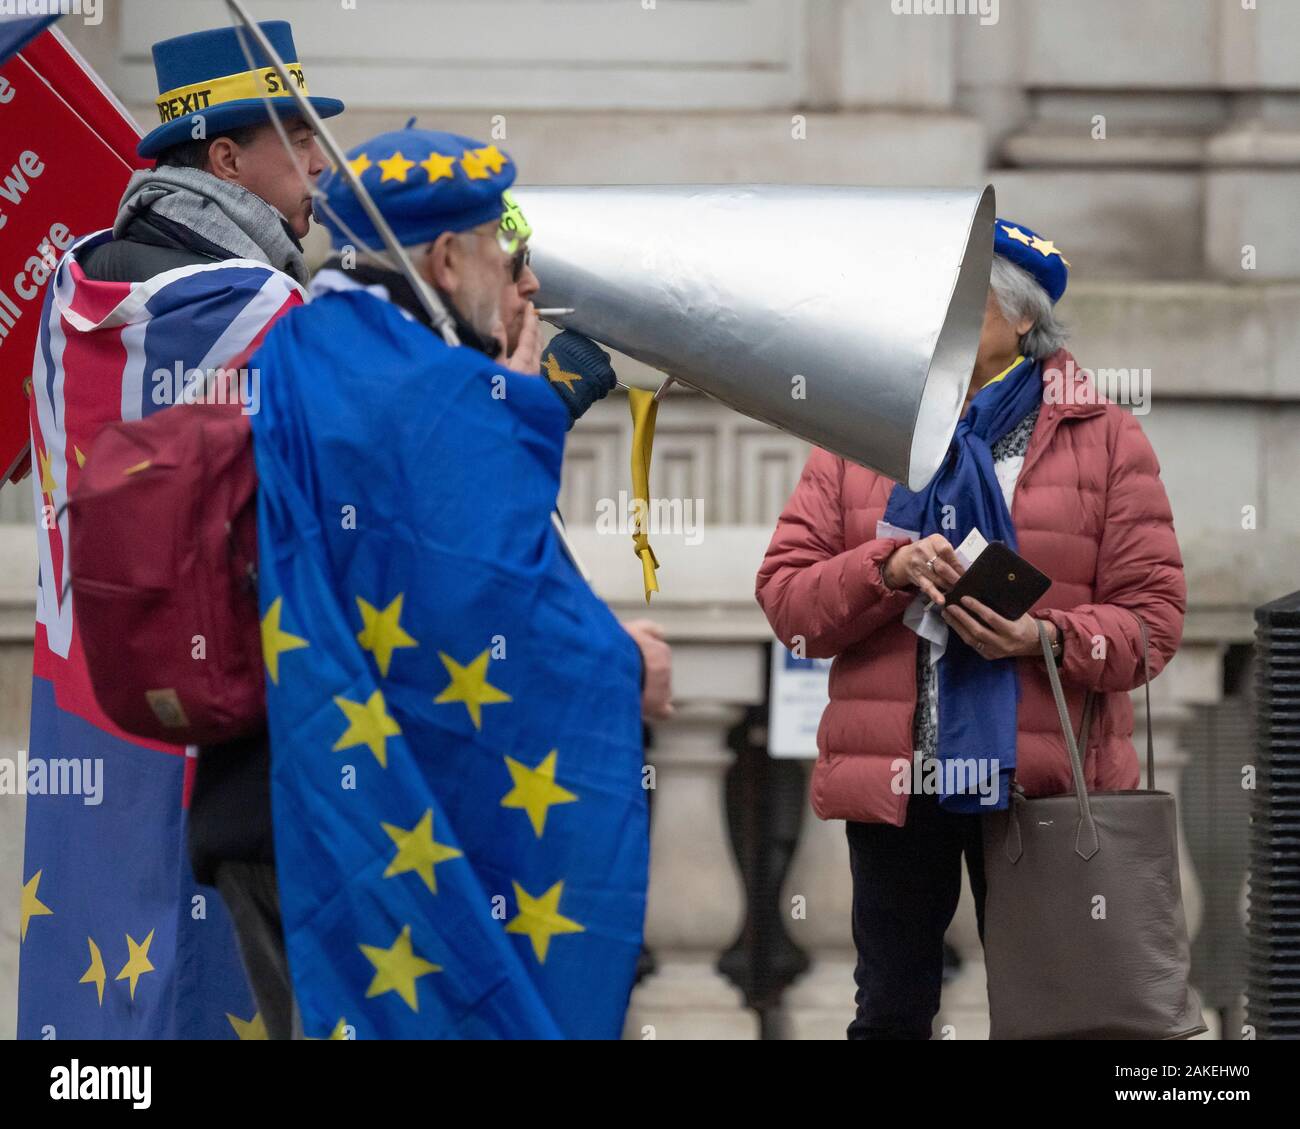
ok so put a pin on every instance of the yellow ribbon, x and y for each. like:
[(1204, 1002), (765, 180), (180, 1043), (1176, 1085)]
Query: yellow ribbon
[(644, 410), (200, 96)]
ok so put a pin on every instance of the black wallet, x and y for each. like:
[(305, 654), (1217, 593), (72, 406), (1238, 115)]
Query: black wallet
[(1002, 580)]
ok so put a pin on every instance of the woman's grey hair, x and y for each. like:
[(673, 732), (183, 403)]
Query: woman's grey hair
[(1020, 296)]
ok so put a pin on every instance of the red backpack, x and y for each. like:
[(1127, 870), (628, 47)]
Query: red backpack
[(163, 563)]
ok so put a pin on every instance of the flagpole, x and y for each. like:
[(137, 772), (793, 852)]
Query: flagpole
[(428, 298)]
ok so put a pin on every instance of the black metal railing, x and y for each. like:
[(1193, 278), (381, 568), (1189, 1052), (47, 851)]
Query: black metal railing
[(1273, 968)]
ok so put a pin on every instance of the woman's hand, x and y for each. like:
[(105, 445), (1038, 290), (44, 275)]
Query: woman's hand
[(929, 565), (992, 636)]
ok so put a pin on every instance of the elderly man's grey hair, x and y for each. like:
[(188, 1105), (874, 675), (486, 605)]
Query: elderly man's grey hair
[(1020, 296)]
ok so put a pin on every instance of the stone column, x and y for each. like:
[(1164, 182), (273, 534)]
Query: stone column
[(695, 901), (817, 899)]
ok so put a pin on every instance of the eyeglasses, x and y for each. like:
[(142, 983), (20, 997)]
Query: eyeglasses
[(520, 260), (516, 249)]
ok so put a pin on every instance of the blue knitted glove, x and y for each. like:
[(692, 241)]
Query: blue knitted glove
[(579, 371)]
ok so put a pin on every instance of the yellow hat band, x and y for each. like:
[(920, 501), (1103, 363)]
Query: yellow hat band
[(200, 96)]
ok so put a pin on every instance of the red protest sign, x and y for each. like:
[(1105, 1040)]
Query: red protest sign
[(67, 149)]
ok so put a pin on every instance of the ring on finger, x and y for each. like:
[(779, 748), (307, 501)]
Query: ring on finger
[(930, 563)]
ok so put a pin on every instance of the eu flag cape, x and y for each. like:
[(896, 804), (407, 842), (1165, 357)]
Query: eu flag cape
[(461, 828)]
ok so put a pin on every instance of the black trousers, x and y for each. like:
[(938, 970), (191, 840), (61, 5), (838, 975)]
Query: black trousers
[(252, 896), (906, 883)]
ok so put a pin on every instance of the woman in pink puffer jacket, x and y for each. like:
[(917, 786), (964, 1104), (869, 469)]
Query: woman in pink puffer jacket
[(1082, 493)]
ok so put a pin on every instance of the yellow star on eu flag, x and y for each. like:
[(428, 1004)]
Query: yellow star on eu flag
[(248, 1029), (48, 485), (535, 790), (418, 851), (274, 641), (369, 724), (395, 167), (382, 634), (540, 919), (469, 684), (557, 375), (31, 906), (138, 962), (96, 973), (439, 166), (338, 1035), (397, 969)]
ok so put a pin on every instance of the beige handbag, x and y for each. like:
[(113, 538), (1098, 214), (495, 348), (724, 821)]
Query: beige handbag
[(1084, 933)]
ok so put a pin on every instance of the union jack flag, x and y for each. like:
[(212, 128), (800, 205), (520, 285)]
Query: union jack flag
[(117, 940)]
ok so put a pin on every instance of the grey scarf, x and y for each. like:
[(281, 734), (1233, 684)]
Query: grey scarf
[(229, 215)]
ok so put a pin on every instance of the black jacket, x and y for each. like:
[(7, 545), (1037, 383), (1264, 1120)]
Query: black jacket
[(152, 244)]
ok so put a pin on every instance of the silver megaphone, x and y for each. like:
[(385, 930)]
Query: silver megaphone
[(849, 317)]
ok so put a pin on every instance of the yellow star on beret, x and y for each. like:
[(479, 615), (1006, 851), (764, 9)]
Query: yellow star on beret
[(492, 158), (438, 166), (474, 165), (1018, 235), (1047, 248), (359, 164), (395, 167)]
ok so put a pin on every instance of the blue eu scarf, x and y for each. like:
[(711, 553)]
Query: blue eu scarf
[(978, 698)]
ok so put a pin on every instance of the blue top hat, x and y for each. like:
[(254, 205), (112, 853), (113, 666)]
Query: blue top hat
[(1040, 257), (206, 75)]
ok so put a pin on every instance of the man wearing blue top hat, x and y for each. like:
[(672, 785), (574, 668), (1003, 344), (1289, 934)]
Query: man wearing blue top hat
[(203, 257), (224, 186)]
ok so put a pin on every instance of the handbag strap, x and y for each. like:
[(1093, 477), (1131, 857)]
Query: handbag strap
[(1085, 842), (1146, 686), (1085, 723)]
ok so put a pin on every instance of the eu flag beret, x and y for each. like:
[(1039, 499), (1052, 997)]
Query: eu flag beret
[(424, 183), (1039, 256)]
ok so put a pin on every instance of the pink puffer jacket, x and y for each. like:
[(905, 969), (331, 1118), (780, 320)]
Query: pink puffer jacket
[(1089, 510)]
